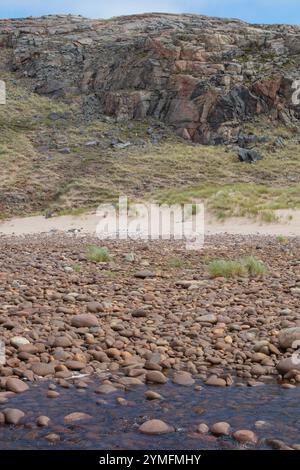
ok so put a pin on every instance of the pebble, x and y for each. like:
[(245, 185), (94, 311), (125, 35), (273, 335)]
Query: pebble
[(75, 365), (52, 437), (42, 369), (106, 389), (220, 429), (13, 415), (155, 426), (52, 394), (154, 376), (288, 336), (85, 320), (286, 365), (151, 395), (277, 444), (245, 437), (203, 428), (144, 274), (183, 378), (262, 424), (16, 385), (288, 386), (215, 381), (76, 417), (43, 421), (19, 341), (95, 307), (139, 313), (209, 318)]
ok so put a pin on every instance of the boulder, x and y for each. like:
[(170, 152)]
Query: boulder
[(249, 156)]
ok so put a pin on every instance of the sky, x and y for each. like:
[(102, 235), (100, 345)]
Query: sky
[(253, 11)]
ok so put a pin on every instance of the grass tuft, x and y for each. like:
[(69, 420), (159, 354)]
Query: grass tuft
[(77, 268), (98, 254), (176, 263), (282, 239), (237, 268), (254, 266)]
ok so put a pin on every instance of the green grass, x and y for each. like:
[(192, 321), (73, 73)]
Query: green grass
[(76, 211), (76, 268), (268, 217), (111, 274), (254, 266), (282, 239), (172, 171), (237, 268), (238, 200), (98, 254), (176, 263)]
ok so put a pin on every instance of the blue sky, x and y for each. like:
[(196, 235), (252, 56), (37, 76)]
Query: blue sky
[(257, 11)]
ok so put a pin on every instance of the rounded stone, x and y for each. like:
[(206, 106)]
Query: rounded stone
[(76, 417), (215, 381), (183, 378), (19, 341), (245, 437), (155, 376), (94, 307), (203, 428), (62, 342), (52, 394), (86, 320), (288, 337), (42, 369), (286, 365), (155, 426), (53, 438), (75, 365), (106, 389), (43, 421), (16, 385), (220, 429), (151, 395), (13, 415)]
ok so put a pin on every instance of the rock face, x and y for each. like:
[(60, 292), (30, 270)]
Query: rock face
[(202, 76)]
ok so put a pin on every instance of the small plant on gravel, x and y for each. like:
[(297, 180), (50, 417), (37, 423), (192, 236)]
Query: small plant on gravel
[(223, 268), (254, 266), (98, 254), (77, 268), (282, 239), (112, 274), (176, 263), (237, 268)]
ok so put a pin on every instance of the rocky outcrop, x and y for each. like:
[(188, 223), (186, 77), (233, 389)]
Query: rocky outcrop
[(202, 76)]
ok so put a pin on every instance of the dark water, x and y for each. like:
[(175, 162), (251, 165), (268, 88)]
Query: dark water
[(114, 426)]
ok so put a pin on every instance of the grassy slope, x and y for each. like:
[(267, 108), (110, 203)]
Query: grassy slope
[(36, 175)]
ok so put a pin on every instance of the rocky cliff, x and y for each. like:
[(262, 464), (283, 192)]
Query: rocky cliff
[(202, 76)]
